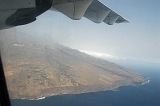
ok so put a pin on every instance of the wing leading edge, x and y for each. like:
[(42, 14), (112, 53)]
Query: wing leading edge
[(93, 10)]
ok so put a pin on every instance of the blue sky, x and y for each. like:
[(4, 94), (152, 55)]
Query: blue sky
[(139, 39)]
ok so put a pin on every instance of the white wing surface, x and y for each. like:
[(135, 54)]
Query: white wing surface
[(94, 10)]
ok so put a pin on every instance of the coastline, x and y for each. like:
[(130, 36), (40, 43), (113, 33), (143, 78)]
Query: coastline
[(111, 88), (148, 81), (31, 98)]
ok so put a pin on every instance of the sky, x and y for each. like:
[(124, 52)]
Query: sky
[(139, 39)]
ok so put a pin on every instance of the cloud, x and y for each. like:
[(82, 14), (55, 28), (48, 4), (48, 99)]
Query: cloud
[(102, 55)]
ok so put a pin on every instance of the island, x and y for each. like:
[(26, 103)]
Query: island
[(37, 69)]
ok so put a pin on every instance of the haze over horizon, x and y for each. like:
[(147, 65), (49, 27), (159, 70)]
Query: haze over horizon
[(138, 39)]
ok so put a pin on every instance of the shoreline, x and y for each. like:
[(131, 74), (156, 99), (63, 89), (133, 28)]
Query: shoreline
[(148, 81), (114, 89)]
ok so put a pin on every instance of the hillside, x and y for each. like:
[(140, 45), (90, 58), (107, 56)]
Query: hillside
[(35, 68)]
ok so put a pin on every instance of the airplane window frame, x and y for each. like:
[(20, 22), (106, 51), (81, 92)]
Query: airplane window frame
[(4, 95)]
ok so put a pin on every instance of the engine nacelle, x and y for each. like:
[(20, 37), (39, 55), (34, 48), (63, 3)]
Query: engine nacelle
[(16, 4), (28, 13)]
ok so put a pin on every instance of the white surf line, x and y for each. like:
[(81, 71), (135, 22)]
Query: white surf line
[(146, 82)]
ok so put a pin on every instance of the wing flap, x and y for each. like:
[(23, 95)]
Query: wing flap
[(121, 19), (97, 12), (73, 9), (111, 18), (94, 10)]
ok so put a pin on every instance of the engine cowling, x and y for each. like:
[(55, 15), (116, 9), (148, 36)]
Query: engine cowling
[(27, 15)]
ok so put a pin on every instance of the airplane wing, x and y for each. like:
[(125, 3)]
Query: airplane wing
[(15, 13), (93, 10)]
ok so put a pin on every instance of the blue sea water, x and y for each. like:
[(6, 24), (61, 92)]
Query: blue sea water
[(140, 95)]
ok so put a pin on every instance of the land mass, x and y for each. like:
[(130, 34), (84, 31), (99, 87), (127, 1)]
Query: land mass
[(35, 68)]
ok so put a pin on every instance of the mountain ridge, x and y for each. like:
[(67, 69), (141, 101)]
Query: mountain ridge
[(34, 69)]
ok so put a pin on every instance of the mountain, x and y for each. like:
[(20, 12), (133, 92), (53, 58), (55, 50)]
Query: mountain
[(37, 68)]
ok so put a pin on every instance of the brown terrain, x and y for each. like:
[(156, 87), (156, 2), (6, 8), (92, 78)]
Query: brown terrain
[(37, 68)]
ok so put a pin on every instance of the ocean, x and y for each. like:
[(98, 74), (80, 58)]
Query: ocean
[(140, 95)]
